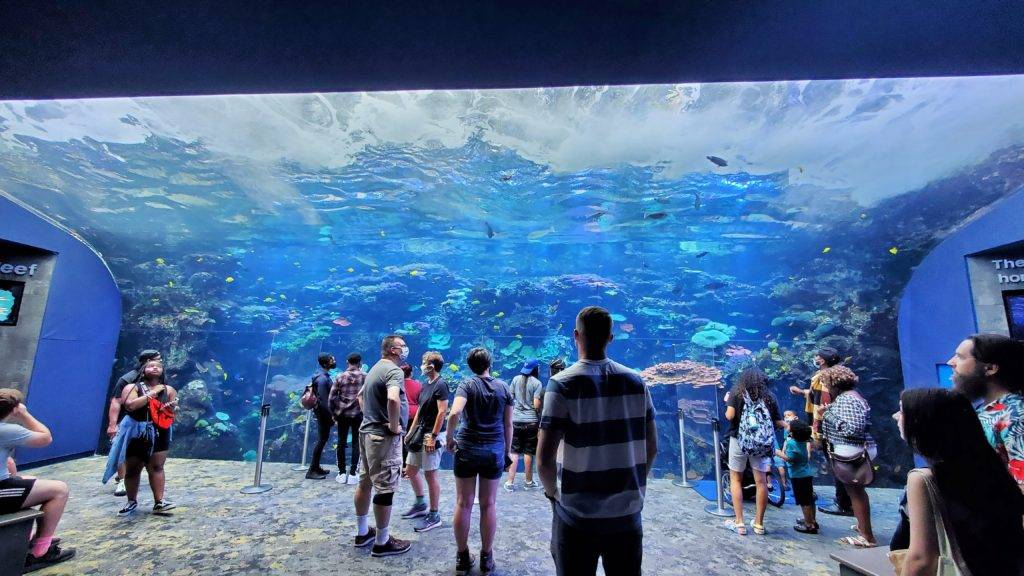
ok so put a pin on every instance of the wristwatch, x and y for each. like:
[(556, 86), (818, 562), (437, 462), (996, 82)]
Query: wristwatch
[(550, 497)]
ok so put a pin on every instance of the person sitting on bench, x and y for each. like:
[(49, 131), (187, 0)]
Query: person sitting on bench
[(19, 428)]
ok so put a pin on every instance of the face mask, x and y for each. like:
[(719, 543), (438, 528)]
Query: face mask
[(404, 353)]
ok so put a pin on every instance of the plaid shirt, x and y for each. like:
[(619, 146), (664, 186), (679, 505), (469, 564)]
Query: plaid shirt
[(847, 420), (344, 393), (1003, 422)]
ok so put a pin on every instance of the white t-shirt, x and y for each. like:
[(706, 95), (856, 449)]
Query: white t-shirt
[(11, 436)]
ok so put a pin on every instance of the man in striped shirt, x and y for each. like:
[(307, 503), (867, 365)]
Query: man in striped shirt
[(601, 413)]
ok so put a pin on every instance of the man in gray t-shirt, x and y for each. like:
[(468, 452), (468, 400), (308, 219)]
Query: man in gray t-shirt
[(385, 416)]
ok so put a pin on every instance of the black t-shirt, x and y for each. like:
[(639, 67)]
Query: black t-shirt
[(430, 394), (126, 379), (736, 402), (142, 414)]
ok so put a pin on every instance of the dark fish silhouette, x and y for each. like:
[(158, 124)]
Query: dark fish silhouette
[(717, 161), (596, 215), (696, 201), (490, 231), (715, 285), (655, 215), (700, 255)]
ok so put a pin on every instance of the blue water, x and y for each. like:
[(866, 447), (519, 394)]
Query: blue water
[(241, 270)]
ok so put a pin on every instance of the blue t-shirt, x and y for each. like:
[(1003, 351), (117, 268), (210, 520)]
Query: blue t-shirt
[(798, 466), (483, 418), (11, 436)]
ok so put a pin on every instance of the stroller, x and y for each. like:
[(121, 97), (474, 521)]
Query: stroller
[(776, 491)]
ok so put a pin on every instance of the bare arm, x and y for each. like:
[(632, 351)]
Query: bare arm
[(442, 407), (730, 413), (133, 401), (394, 409), (923, 553), (508, 429), (547, 454), (41, 435), (112, 412), (12, 468), (453, 420)]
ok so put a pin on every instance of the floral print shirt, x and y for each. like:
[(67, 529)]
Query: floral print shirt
[(1003, 422)]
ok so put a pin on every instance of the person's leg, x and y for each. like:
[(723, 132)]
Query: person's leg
[(736, 490), (434, 489), (53, 495), (512, 468), (323, 428), (343, 426), (809, 516), (528, 467), (356, 443), (465, 489), (574, 553), (132, 476), (862, 511), (901, 536), (413, 473), (488, 513), (361, 498), (120, 471), (155, 469), (624, 553), (761, 499), (842, 500)]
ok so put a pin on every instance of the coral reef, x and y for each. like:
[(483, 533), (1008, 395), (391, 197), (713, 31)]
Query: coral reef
[(687, 373)]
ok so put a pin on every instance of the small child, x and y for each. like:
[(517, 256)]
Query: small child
[(780, 464), (801, 473)]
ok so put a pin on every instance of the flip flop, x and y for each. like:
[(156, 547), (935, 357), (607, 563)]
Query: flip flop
[(736, 527), (758, 529), (857, 542)]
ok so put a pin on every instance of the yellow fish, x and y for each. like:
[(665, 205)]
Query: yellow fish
[(282, 297), (268, 299), (453, 367), (160, 261), (200, 259), (332, 269), (170, 284), (484, 312), (350, 269), (826, 250), (382, 234), (496, 327), (863, 216), (193, 310), (475, 302), (414, 273), (500, 314), (229, 279), (893, 250)]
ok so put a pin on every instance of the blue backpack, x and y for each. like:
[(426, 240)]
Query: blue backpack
[(757, 432)]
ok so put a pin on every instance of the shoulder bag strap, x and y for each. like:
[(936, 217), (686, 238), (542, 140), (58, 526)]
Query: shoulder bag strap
[(948, 548)]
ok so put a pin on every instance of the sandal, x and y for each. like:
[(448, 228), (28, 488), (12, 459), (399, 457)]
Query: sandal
[(857, 542), (758, 528), (737, 527), (855, 528), (805, 529)]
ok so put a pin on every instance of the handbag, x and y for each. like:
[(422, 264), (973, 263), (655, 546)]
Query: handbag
[(853, 470), (309, 398)]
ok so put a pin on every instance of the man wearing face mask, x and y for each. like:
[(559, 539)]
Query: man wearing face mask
[(385, 417)]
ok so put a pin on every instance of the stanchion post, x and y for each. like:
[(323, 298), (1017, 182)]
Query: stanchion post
[(257, 486), (682, 481), (305, 444), (718, 507)]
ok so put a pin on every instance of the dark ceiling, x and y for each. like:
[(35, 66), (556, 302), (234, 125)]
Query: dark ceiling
[(99, 48)]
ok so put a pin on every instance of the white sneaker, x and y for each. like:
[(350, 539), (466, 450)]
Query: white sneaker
[(341, 478), (353, 479), (119, 489)]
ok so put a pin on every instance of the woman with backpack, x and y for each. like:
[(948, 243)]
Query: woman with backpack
[(753, 415), (846, 427), (146, 436)]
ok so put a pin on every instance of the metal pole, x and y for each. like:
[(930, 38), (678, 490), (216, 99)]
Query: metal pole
[(257, 487), (682, 481), (305, 443), (718, 508)]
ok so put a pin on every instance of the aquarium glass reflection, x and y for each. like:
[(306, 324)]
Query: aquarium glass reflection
[(724, 225)]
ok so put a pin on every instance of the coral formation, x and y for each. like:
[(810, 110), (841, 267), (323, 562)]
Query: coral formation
[(686, 372)]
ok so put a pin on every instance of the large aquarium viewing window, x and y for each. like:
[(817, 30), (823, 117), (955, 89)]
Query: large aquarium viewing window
[(723, 225)]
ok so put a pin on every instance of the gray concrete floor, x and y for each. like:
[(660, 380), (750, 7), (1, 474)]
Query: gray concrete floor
[(305, 527)]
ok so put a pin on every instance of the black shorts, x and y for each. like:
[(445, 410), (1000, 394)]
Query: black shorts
[(484, 461), (139, 447), (803, 490), (13, 492), (524, 438)]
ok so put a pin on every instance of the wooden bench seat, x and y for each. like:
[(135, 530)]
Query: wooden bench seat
[(864, 562)]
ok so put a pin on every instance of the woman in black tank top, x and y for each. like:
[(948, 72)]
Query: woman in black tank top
[(141, 452)]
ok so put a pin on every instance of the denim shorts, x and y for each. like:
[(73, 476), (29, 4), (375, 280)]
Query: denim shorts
[(488, 462)]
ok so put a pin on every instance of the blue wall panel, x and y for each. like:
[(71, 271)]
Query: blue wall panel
[(936, 310), (78, 338)]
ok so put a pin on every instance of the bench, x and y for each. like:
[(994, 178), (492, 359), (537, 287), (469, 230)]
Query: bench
[(14, 532), (864, 562)]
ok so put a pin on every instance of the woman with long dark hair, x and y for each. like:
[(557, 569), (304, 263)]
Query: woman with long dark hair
[(527, 397), (967, 487), (150, 404), (753, 415)]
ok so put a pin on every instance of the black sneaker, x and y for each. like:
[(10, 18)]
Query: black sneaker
[(315, 475), (128, 509), (365, 539), (464, 563), (834, 510), (392, 547), (486, 562), (163, 506), (54, 555)]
